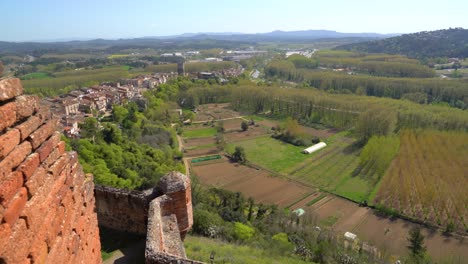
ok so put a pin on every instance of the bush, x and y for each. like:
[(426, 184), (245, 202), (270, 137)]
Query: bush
[(450, 227), (243, 232), (244, 126), (206, 223)]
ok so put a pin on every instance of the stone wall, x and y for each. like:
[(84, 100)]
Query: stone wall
[(164, 214), (122, 210), (47, 207)]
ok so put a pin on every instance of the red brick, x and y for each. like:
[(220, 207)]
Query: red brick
[(9, 88), (26, 106), (61, 147), (9, 187), (46, 148), (14, 159), (53, 156), (36, 211), (30, 165), (5, 233), (29, 126), (15, 207), (17, 251), (38, 252), (43, 113), (9, 141), (41, 134), (36, 181), (58, 166), (7, 115)]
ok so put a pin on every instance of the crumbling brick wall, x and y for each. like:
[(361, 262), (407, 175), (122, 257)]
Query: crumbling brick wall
[(164, 214), (122, 210), (47, 207)]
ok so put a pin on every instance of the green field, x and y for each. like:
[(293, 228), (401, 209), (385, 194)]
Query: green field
[(35, 75), (69, 80), (270, 153), (117, 56), (331, 168), (199, 133), (200, 248)]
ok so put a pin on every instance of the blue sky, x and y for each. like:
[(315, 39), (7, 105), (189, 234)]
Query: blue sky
[(66, 19)]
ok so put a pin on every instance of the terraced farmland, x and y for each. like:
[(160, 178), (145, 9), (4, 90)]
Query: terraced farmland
[(427, 180)]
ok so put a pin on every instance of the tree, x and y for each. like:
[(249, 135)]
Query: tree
[(1, 68), (244, 126), (89, 128), (119, 113), (239, 155), (416, 240)]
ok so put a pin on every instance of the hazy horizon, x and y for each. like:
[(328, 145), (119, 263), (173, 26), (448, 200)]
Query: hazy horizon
[(51, 20)]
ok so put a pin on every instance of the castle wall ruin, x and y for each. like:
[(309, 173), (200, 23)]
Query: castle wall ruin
[(163, 214), (47, 206)]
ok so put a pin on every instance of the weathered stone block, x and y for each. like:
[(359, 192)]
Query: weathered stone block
[(14, 208), (51, 159), (38, 252), (19, 243), (30, 165), (46, 148), (61, 147), (7, 115), (8, 142), (14, 159), (5, 233), (36, 181), (42, 133), (58, 165), (10, 88), (26, 106), (9, 187), (27, 127)]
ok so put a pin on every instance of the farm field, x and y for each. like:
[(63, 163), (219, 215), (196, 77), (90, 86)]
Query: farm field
[(427, 179), (330, 168), (69, 80), (390, 235), (270, 153), (215, 111), (254, 183), (199, 132), (35, 75)]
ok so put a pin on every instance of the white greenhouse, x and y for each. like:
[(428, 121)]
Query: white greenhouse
[(314, 148)]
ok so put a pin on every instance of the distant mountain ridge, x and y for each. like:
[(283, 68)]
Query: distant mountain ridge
[(190, 40), (451, 42), (278, 35)]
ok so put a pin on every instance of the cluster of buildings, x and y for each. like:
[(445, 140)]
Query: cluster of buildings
[(74, 107), (305, 53), (238, 55)]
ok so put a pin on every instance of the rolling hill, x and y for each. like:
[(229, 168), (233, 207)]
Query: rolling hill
[(451, 42)]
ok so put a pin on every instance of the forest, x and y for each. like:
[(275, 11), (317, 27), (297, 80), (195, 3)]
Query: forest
[(440, 43), (367, 75)]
